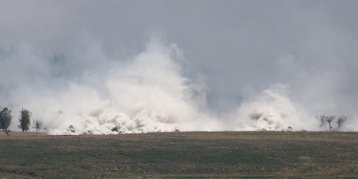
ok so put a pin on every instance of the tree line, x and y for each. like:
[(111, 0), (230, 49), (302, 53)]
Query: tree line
[(333, 122), (24, 120)]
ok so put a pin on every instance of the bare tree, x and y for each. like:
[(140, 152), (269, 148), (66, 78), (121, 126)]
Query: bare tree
[(341, 120), (38, 125), (327, 119), (330, 119), (322, 119)]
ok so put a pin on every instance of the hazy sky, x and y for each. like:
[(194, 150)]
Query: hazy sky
[(237, 47)]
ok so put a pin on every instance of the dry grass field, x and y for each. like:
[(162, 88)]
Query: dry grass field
[(180, 155)]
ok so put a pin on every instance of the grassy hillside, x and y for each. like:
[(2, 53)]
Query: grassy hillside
[(192, 154)]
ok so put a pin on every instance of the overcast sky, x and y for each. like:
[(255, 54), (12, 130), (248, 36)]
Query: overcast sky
[(238, 47)]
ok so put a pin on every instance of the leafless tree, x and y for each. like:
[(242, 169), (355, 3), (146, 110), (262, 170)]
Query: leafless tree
[(38, 125), (327, 119), (341, 120), (330, 119)]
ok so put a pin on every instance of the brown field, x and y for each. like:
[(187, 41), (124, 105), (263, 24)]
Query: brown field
[(180, 155)]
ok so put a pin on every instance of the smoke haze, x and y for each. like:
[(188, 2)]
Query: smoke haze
[(121, 66)]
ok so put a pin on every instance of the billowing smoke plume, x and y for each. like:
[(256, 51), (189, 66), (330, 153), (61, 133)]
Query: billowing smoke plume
[(146, 93), (80, 67), (274, 110)]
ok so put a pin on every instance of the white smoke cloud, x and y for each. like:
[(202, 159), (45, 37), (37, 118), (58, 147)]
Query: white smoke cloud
[(235, 53), (274, 110), (145, 93)]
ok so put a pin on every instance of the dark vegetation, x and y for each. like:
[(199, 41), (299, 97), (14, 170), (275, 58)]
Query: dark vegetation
[(24, 120), (181, 154), (38, 125), (6, 117), (330, 120), (5, 120)]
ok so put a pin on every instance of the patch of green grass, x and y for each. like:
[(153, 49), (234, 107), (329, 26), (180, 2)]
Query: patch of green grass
[(191, 154)]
